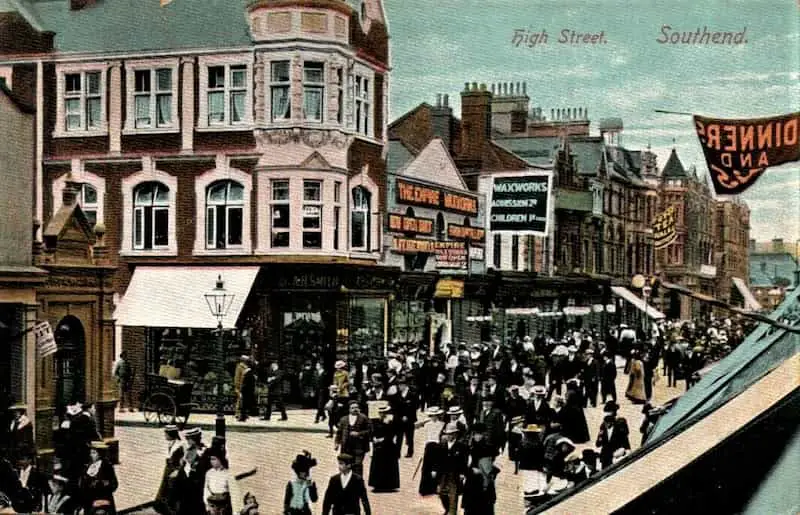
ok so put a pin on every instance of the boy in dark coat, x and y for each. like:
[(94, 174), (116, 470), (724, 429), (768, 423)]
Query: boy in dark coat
[(346, 492)]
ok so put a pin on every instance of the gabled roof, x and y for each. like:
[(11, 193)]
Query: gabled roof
[(434, 165), (66, 217), (674, 168), (19, 104), (397, 155), (588, 154), (408, 114), (138, 25)]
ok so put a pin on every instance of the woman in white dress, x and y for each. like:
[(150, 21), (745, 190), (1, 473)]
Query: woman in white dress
[(220, 492)]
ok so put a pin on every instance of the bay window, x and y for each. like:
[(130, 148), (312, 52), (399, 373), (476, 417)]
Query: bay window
[(224, 214), (150, 216), (313, 90), (362, 105), (280, 213), (360, 219), (280, 83), (312, 214)]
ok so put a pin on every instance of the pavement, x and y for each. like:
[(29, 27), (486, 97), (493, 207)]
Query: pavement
[(264, 450)]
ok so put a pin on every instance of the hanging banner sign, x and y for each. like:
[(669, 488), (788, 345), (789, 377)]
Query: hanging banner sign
[(520, 203), (464, 232), (410, 224), (739, 151), (664, 230), (436, 198), (45, 340)]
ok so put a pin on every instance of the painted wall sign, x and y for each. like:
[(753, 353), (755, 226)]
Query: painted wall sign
[(463, 232), (451, 254), (437, 198), (410, 224), (521, 203)]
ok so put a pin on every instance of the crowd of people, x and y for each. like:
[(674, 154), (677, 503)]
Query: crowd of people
[(526, 398)]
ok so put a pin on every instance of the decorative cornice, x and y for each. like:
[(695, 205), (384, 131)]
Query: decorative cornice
[(312, 138)]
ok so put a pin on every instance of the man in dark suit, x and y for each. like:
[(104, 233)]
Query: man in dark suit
[(404, 407), (539, 411), (353, 436), (494, 423), (608, 376), (275, 383), (450, 469), (248, 391), (613, 436), (346, 491), (471, 398), (589, 376)]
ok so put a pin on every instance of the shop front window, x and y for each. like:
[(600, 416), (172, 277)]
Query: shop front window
[(367, 328), (408, 322)]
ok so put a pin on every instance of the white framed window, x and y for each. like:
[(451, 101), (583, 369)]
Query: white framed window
[(225, 93), (149, 213), (151, 201), (90, 197), (280, 91), (224, 215), (88, 200), (152, 95), (340, 95), (362, 105), (360, 215), (280, 213), (312, 214), (313, 90), (81, 104), (337, 213)]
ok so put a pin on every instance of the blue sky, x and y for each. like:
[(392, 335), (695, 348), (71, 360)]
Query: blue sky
[(438, 46)]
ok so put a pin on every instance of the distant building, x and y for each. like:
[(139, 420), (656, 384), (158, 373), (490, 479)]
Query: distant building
[(731, 252), (773, 272)]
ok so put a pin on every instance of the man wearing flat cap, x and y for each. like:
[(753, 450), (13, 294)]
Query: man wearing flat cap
[(353, 436), (346, 492)]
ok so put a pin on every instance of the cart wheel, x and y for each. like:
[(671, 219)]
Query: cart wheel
[(161, 407)]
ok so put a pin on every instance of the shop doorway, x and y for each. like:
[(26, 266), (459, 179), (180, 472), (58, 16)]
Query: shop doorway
[(70, 363)]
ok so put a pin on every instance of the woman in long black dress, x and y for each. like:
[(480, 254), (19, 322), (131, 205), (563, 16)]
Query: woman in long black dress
[(384, 470), (572, 417), (98, 483)]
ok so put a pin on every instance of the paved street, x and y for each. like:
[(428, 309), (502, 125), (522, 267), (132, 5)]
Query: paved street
[(271, 451)]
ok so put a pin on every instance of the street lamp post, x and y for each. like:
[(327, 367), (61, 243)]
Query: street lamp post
[(219, 302)]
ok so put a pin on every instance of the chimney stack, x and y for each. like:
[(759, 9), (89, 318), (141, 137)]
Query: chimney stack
[(475, 121)]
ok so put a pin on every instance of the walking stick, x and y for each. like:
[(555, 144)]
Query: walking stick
[(419, 463)]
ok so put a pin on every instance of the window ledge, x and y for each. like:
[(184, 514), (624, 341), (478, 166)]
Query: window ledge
[(363, 254), (80, 134), (225, 128), (149, 253), (239, 251), (270, 251), (156, 130)]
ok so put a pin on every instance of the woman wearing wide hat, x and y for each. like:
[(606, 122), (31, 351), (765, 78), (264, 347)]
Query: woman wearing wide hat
[(301, 491), (98, 483), (58, 502), (384, 470), (433, 436)]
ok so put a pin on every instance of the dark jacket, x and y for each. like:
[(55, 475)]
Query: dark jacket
[(617, 440), (542, 417), (495, 427), (354, 443), (451, 465), (404, 407), (346, 501)]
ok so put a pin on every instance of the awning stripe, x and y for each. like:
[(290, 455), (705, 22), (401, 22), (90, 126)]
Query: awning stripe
[(750, 302), (174, 296), (638, 302)]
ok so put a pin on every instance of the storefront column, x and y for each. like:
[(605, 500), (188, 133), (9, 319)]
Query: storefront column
[(29, 342)]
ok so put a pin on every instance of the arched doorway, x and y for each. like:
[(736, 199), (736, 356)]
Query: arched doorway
[(70, 363)]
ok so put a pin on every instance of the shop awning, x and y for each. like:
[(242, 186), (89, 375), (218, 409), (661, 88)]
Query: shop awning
[(750, 301), (174, 296), (638, 302)]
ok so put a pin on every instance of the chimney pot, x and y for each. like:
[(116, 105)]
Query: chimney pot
[(492, 87), (466, 86), (519, 88), (446, 100), (524, 88), (438, 100), (474, 86), (483, 87), (586, 113), (552, 114)]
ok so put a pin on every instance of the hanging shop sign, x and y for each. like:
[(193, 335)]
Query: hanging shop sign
[(437, 198), (410, 224), (449, 289), (477, 253), (521, 203), (465, 232)]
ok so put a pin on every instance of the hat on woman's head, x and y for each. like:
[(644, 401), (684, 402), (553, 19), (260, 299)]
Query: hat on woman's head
[(339, 364), (99, 445), (454, 410), (303, 462), (434, 411), (610, 407)]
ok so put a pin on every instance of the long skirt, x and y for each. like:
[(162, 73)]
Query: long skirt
[(573, 424), (384, 470), (514, 440), (427, 483)]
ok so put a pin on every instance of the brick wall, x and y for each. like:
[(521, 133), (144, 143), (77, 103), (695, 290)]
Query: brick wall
[(134, 341), (416, 129)]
